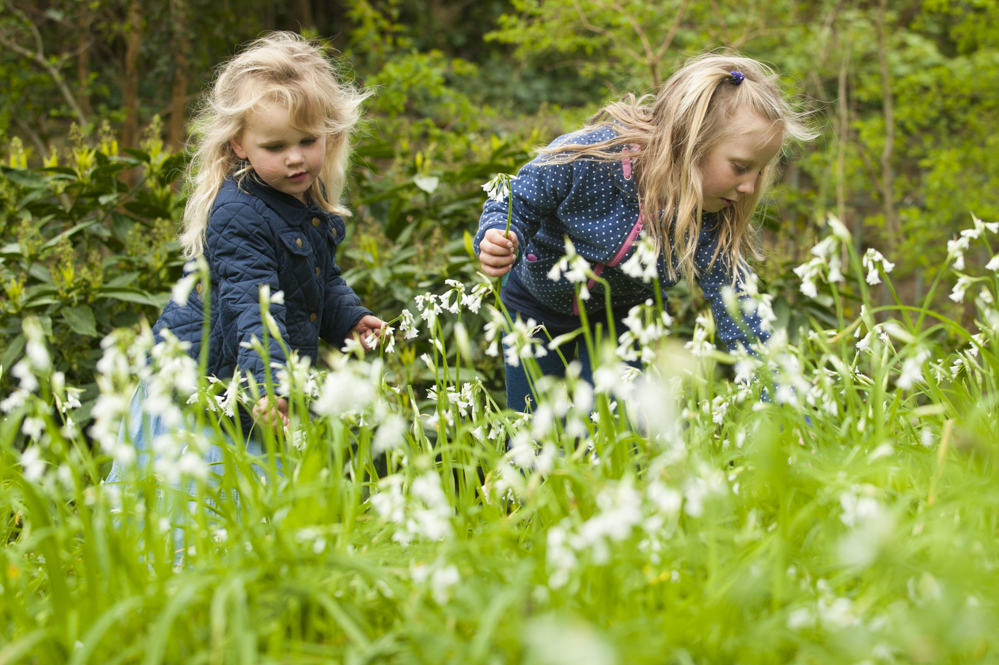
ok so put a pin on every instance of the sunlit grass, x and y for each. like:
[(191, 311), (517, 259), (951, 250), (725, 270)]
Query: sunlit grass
[(833, 504)]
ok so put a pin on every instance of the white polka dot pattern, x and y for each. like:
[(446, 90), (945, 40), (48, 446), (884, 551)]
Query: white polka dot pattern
[(591, 203)]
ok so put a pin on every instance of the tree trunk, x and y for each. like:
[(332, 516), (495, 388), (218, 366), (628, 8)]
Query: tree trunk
[(302, 12), (130, 82), (83, 60), (181, 67), (888, 104)]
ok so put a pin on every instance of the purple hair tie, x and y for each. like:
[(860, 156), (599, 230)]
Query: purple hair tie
[(737, 77)]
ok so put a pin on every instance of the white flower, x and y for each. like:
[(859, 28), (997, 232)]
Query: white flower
[(182, 289), (499, 186), (407, 325), (872, 260), (33, 427), (912, 370), (22, 370), (839, 229), (391, 434), (643, 262), (963, 282), (871, 525), (956, 249), (346, 390), (979, 225), (32, 464), (808, 273), (442, 578), (838, 613), (993, 264), (571, 265)]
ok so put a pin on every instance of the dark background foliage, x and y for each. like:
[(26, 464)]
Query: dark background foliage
[(97, 95)]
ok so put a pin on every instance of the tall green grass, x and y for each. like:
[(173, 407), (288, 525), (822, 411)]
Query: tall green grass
[(835, 503)]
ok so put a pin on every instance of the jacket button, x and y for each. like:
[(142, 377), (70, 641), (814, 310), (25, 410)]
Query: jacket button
[(333, 231), (298, 242), (198, 287), (315, 221), (312, 317), (317, 271)]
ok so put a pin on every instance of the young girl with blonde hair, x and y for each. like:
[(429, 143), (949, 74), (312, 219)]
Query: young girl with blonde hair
[(271, 148), (265, 210), (686, 168)]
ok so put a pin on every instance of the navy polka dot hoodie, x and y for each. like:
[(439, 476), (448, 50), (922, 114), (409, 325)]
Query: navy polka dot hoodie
[(595, 204)]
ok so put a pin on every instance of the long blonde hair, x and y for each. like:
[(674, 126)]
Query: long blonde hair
[(674, 132), (281, 67)]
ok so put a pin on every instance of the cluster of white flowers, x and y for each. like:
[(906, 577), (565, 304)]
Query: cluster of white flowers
[(753, 303), (871, 524), (643, 263), (35, 363), (440, 577), (785, 362), (425, 513), (463, 401), (350, 387), (523, 342), (826, 263), (296, 375), (912, 369), (700, 343), (498, 187), (958, 246), (622, 513), (573, 267), (644, 326), (873, 259), (619, 512)]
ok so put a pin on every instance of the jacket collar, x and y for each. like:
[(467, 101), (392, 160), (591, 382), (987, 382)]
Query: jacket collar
[(286, 206)]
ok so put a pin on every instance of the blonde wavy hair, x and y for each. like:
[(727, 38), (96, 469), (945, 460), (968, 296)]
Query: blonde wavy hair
[(280, 67), (674, 132)]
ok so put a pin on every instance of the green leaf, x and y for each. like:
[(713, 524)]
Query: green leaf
[(67, 233), (14, 350), (134, 295), (81, 320)]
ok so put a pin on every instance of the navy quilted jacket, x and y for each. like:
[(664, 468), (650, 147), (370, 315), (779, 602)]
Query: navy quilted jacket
[(257, 235)]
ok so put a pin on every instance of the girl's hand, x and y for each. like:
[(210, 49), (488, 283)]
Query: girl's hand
[(497, 252), (271, 412), (364, 329)]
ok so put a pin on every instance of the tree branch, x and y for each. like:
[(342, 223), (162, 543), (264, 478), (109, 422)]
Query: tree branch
[(38, 57)]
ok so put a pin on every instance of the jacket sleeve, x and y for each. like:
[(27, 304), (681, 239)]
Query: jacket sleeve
[(538, 190), (241, 249), (747, 330), (342, 309)]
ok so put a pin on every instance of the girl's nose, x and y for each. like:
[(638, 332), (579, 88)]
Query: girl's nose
[(294, 156), (747, 186)]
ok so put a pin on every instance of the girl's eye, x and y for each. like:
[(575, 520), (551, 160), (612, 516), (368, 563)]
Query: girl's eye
[(739, 168), (310, 140), (273, 148)]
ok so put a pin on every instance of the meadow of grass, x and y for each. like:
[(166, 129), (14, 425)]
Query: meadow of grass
[(831, 500)]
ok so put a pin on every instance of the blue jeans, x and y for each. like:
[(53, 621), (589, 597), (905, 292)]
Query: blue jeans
[(142, 428)]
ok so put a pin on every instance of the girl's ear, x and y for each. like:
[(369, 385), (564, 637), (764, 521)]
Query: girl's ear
[(237, 147)]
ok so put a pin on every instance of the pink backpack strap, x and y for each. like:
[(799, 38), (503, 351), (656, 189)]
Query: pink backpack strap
[(598, 269)]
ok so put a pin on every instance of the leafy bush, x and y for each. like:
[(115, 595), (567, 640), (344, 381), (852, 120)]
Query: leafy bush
[(90, 248)]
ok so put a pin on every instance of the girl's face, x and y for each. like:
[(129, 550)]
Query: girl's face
[(287, 159), (731, 170)]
